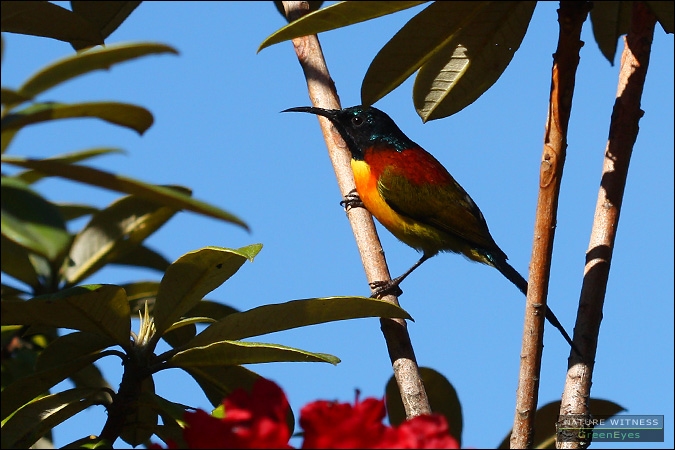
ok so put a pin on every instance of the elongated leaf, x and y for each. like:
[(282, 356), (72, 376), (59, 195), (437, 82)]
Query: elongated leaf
[(72, 211), (16, 262), (194, 275), (664, 14), (414, 44), (297, 313), (141, 423), (113, 232), (31, 221), (31, 176), (338, 15), (472, 61), (142, 256), (218, 382), (35, 419), (88, 61), (49, 20), (99, 309), (443, 399), (27, 388), (131, 116), (231, 353), (205, 308), (106, 16), (9, 97), (610, 20), (69, 347), (95, 177)]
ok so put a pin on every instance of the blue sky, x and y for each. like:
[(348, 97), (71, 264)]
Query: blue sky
[(218, 130)]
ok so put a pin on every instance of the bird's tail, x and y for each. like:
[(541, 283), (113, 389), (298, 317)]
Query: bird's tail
[(517, 279)]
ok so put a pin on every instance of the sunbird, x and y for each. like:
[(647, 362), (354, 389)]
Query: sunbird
[(414, 196)]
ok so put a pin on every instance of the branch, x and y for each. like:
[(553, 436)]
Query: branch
[(323, 94), (571, 16), (623, 131)]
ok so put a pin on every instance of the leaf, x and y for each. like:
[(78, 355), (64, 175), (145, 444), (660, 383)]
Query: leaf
[(231, 353), (194, 275), (124, 114), (106, 16), (142, 256), (94, 177), (88, 61), (31, 221), (35, 419), (100, 309), (610, 20), (338, 15), (16, 262), (414, 44), (140, 425), (72, 211), (27, 388), (293, 314), (218, 382), (113, 232), (11, 97), (31, 176), (664, 12), (466, 67), (442, 396), (205, 309), (547, 416), (49, 20), (70, 347)]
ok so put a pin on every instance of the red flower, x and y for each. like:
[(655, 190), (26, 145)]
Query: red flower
[(255, 420)]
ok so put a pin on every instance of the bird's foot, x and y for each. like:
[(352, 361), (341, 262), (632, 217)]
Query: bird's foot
[(351, 200), (382, 288)]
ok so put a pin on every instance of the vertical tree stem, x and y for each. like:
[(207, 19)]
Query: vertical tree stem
[(571, 16), (323, 94), (623, 131)]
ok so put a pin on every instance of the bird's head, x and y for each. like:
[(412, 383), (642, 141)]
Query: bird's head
[(362, 127)]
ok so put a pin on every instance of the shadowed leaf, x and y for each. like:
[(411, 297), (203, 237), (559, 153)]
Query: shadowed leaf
[(610, 20), (31, 176), (106, 16)]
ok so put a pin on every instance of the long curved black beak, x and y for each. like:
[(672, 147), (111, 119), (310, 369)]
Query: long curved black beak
[(328, 113)]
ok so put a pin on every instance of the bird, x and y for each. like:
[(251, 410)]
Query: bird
[(414, 197)]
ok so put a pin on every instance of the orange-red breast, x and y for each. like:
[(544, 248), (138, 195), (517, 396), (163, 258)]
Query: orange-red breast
[(414, 196)]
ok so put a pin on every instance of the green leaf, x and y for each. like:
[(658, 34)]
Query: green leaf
[(70, 347), (206, 309), (49, 20), (664, 12), (72, 211), (338, 15), (293, 314), (140, 425), (35, 419), (27, 388), (218, 382), (94, 177), (131, 116), (99, 309), (31, 176), (31, 221), (16, 262), (11, 97), (194, 275), (456, 75), (547, 416), (414, 44), (230, 353), (106, 16), (610, 20), (442, 396), (113, 232), (142, 256), (88, 61)]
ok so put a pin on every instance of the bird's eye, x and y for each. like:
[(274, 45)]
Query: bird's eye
[(357, 121)]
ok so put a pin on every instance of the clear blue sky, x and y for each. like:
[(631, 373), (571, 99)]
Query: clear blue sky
[(218, 130)]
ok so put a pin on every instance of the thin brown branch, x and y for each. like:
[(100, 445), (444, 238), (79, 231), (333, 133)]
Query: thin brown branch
[(571, 16), (623, 131), (323, 94)]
